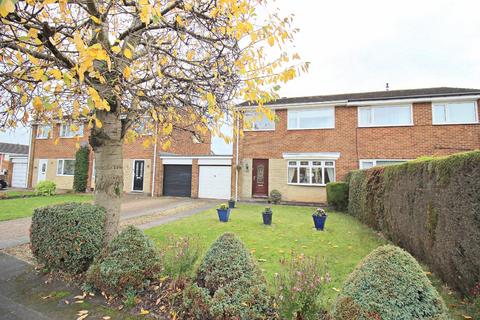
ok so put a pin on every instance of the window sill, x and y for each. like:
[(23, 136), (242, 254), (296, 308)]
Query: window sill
[(262, 130), (71, 137), (65, 175), (306, 184), (387, 126), (454, 123), (40, 138), (326, 128)]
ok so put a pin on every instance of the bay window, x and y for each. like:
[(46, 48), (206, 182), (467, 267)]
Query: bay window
[(318, 118), (378, 116), (311, 172), (454, 113)]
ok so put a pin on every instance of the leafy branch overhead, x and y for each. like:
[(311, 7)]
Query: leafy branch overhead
[(177, 64)]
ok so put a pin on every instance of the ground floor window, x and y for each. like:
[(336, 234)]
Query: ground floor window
[(311, 172), (65, 167), (365, 164)]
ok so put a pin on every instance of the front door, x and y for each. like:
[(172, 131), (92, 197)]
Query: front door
[(138, 172), (42, 170), (260, 178)]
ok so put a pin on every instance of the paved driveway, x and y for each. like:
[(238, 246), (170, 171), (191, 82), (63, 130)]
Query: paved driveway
[(138, 210)]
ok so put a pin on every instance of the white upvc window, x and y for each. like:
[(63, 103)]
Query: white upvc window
[(312, 118), (255, 121), (310, 172), (44, 131), (65, 167), (455, 112), (385, 116), (369, 163), (68, 130)]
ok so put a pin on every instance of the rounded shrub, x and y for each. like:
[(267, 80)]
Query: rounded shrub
[(130, 260), (45, 188), (275, 196), (67, 236), (229, 285), (389, 284), (337, 195)]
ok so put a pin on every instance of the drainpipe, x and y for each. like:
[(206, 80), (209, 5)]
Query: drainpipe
[(236, 159), (30, 157), (154, 168)]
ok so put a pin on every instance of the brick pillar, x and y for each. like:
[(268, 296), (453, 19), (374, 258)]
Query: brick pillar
[(159, 178), (195, 178)]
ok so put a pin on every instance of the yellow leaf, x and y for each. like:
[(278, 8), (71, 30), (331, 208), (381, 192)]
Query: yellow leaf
[(127, 72), (98, 123), (335, 289), (166, 145), (95, 19), (56, 141), (33, 33), (116, 49), (146, 143), (128, 53), (271, 41), (466, 317), (37, 103), (56, 74), (143, 311), (6, 6)]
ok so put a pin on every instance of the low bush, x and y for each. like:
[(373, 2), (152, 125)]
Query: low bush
[(389, 284), (45, 188), (229, 285), (275, 196), (180, 257), (298, 288), (127, 264), (68, 236), (337, 195), (80, 177)]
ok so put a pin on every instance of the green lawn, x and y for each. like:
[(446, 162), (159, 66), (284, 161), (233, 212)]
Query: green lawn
[(9, 194), (23, 207), (343, 244)]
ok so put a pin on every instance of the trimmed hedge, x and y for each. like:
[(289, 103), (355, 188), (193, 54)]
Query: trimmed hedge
[(131, 259), (229, 285), (430, 207), (389, 284), (67, 236), (337, 195), (80, 177)]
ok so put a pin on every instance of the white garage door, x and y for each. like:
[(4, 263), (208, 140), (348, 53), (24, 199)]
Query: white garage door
[(19, 173), (214, 182)]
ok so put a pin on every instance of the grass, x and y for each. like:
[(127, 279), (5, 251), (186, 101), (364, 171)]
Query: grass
[(23, 207), (16, 194), (343, 244)]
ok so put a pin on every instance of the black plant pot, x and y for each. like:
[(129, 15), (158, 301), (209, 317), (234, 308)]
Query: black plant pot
[(267, 218), (231, 204)]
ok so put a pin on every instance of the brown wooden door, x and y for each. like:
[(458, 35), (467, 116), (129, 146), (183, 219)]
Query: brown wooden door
[(260, 178)]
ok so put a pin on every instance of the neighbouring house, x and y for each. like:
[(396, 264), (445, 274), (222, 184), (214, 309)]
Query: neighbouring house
[(188, 169), (318, 139), (14, 164)]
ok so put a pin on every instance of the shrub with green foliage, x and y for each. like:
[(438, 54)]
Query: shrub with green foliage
[(45, 188), (275, 196), (229, 285), (80, 177), (389, 284), (127, 264), (428, 206), (337, 195), (67, 236)]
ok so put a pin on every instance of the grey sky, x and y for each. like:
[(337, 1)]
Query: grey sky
[(360, 45)]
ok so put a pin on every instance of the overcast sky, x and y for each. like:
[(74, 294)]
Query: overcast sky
[(356, 46)]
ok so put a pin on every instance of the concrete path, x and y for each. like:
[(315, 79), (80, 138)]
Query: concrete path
[(135, 210)]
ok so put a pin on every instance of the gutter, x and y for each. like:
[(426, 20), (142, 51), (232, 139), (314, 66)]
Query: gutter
[(236, 159), (154, 167)]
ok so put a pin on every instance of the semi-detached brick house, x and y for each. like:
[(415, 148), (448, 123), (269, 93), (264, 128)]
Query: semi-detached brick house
[(319, 139), (55, 161)]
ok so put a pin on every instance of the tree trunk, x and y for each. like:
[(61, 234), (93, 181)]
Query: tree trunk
[(107, 143)]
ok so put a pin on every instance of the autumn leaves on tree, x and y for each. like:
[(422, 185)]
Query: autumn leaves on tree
[(115, 65)]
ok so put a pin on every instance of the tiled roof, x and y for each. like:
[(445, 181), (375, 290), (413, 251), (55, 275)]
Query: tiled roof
[(378, 95), (10, 148)]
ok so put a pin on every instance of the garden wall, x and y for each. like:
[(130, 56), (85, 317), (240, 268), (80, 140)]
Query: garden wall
[(430, 207)]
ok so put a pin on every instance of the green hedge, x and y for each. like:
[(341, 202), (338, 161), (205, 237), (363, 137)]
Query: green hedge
[(389, 284), (67, 236), (430, 207), (337, 195), (80, 178)]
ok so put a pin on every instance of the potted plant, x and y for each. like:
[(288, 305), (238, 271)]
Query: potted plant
[(319, 217), (223, 212), (231, 203), (267, 216)]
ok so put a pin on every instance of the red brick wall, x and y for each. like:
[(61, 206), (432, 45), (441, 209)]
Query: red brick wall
[(355, 143)]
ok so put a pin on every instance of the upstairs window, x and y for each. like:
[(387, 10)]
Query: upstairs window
[(313, 172), (454, 113), (254, 121), (65, 167), (44, 132), (380, 116), (71, 130), (365, 164), (319, 118)]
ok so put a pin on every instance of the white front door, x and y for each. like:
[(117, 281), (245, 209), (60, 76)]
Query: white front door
[(42, 169), (214, 182)]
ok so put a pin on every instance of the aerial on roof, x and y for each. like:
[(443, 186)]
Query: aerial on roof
[(378, 95), (10, 148)]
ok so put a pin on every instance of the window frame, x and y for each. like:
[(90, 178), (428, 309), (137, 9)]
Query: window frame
[(475, 104), (360, 161), (79, 132), (297, 110), (63, 167), (373, 125), (256, 115), (310, 166), (50, 132)]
